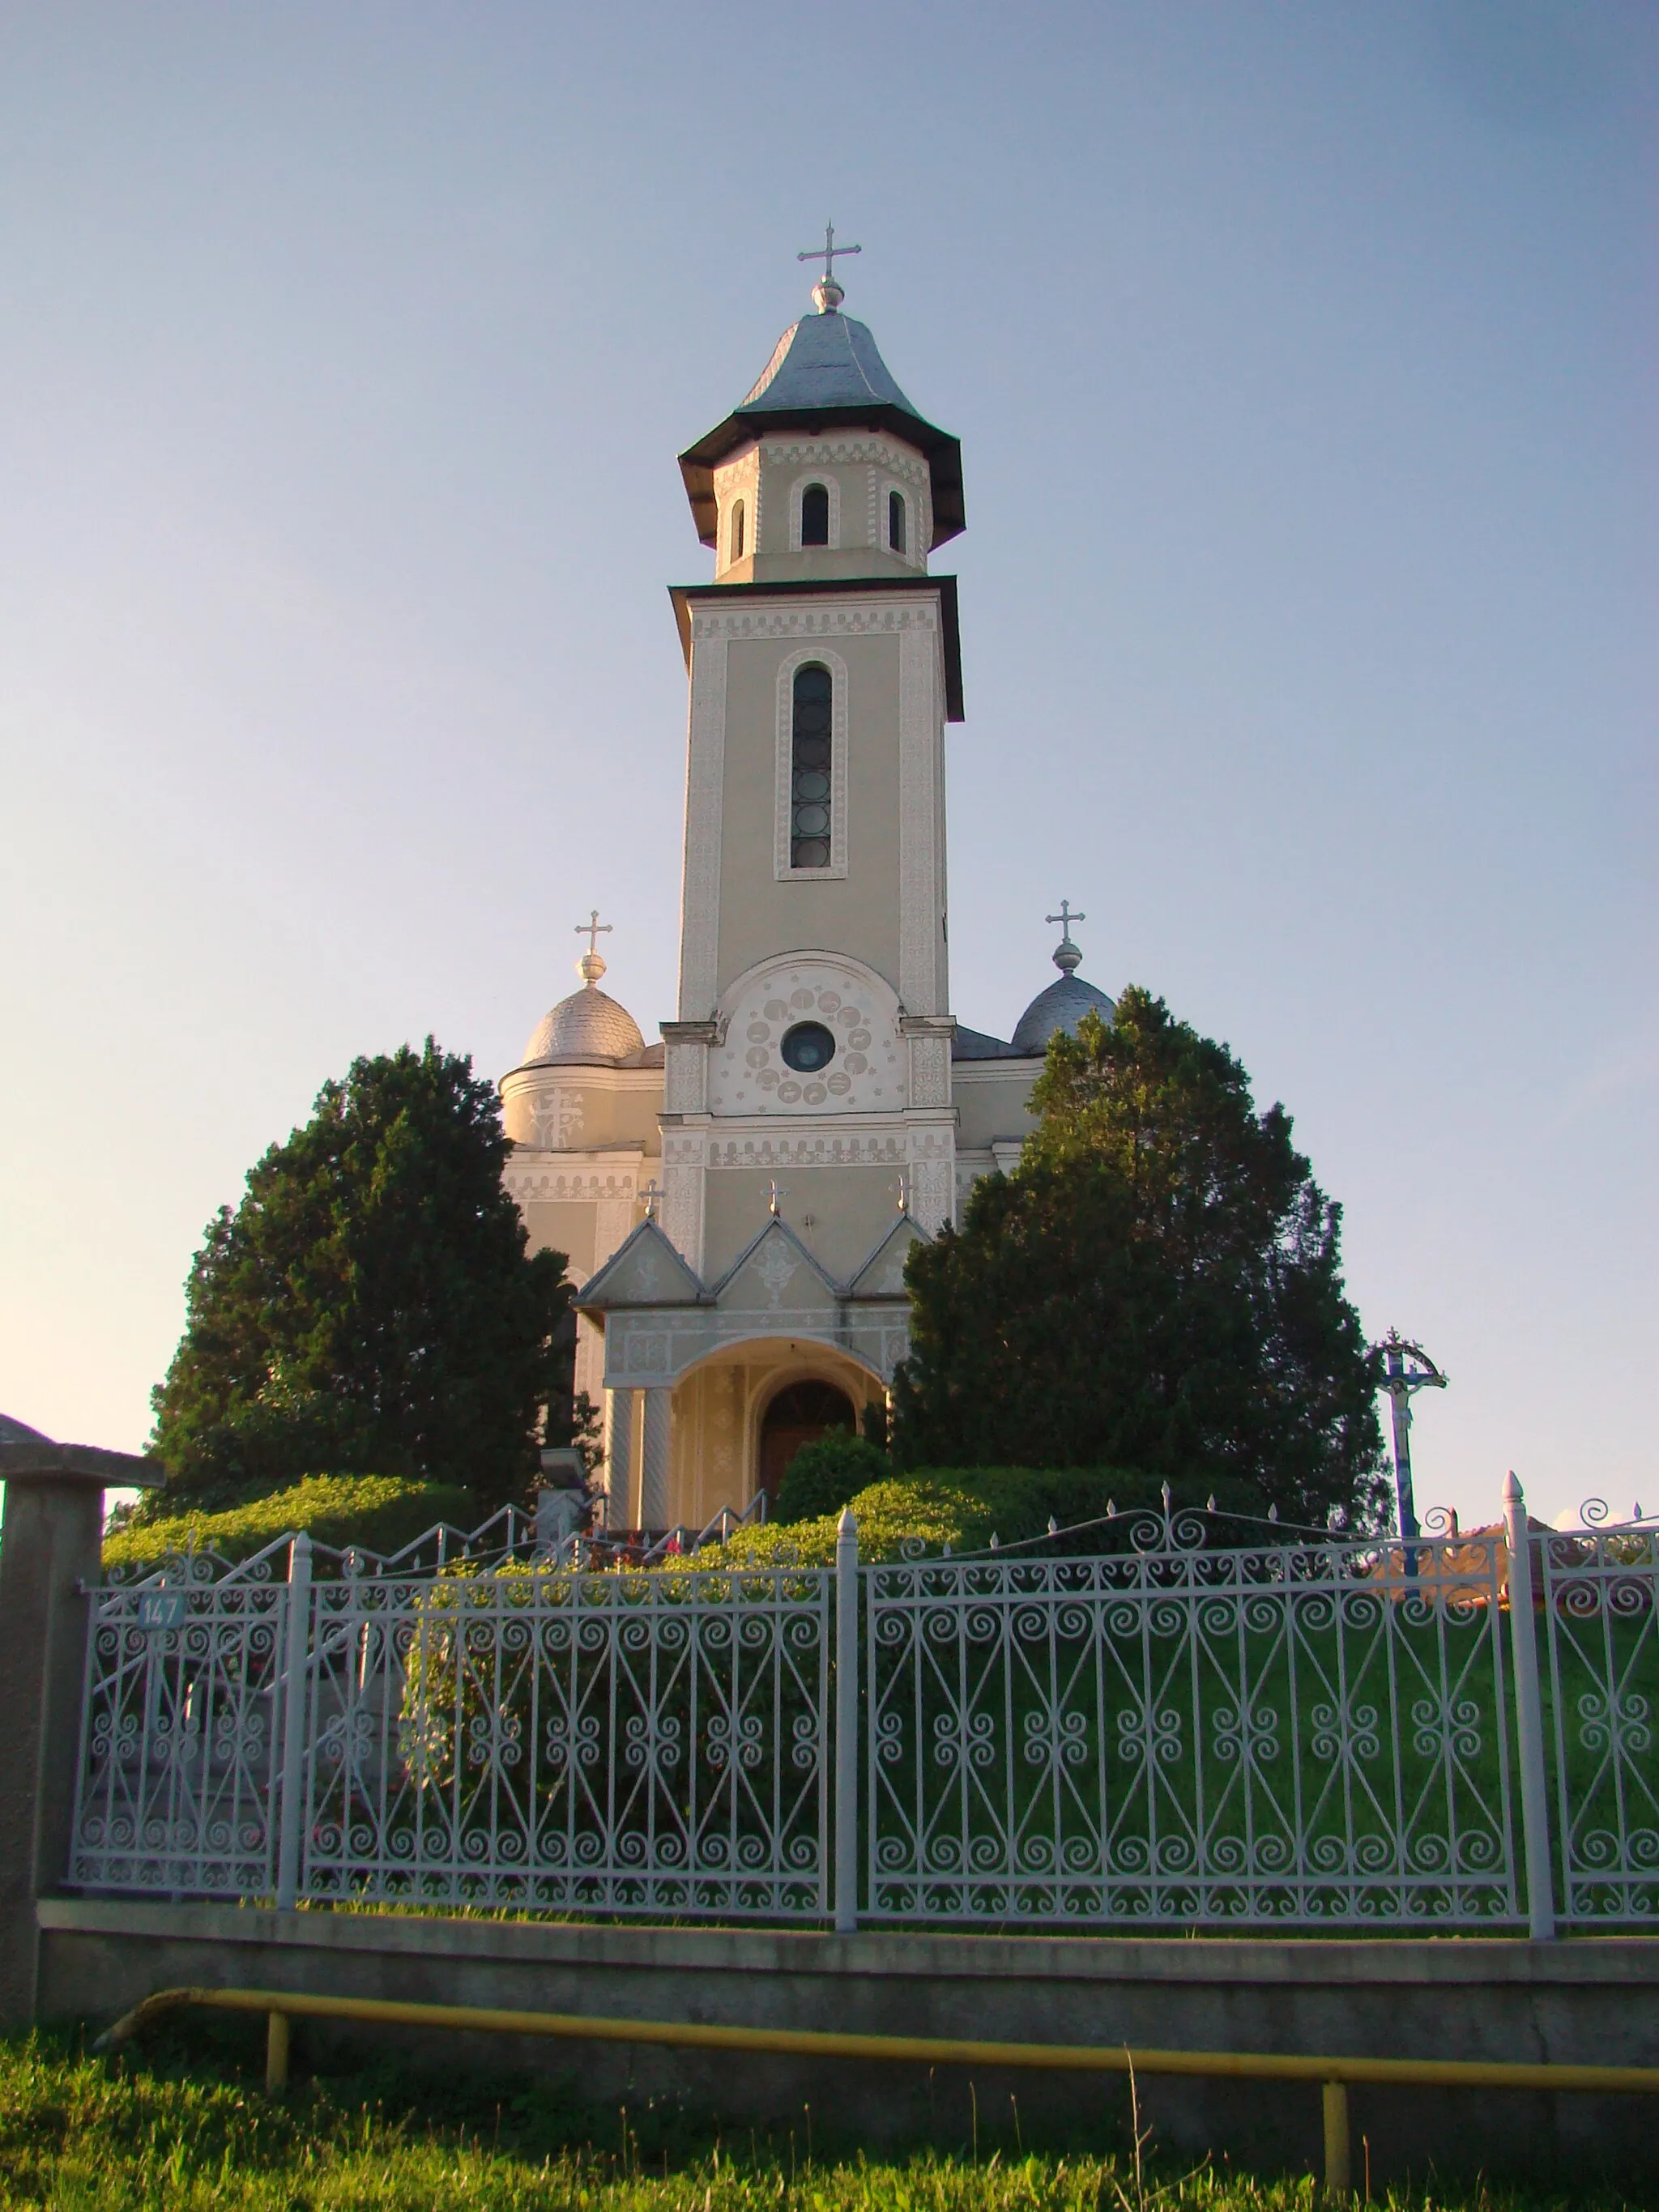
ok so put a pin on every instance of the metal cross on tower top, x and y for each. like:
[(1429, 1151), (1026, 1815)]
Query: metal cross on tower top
[(828, 254), (1066, 917), (593, 929)]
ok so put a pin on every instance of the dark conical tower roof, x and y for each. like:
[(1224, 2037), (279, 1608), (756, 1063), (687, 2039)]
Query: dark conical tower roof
[(826, 374)]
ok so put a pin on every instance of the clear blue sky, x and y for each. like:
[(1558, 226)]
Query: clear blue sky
[(1303, 360)]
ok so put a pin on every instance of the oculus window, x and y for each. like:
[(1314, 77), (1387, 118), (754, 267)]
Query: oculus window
[(809, 783), (808, 1046)]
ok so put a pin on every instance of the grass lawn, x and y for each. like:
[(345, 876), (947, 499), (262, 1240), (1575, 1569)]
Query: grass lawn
[(188, 2126)]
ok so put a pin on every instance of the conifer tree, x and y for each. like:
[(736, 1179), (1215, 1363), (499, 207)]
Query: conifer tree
[(1156, 1287), (370, 1305)]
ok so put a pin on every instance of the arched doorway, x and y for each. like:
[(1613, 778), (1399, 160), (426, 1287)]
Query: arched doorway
[(799, 1415)]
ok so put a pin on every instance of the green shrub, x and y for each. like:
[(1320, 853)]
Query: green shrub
[(964, 1508), (380, 1512), (823, 1476)]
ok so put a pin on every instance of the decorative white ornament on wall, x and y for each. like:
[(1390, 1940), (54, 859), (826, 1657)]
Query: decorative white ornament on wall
[(749, 1074)]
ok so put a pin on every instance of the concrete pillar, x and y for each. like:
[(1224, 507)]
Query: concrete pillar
[(654, 1470), (50, 1544), (619, 1459)]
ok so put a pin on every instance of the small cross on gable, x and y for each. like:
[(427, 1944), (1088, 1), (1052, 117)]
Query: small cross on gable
[(653, 1194)]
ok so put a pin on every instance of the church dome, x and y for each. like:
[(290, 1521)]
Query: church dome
[(1063, 1004), (585, 1026)]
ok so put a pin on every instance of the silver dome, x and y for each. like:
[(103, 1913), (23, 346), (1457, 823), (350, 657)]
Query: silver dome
[(1064, 1004), (585, 1026)]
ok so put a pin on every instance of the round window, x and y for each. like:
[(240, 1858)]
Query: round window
[(807, 1048)]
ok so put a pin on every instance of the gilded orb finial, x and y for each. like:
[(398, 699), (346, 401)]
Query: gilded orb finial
[(590, 966), (1066, 956)]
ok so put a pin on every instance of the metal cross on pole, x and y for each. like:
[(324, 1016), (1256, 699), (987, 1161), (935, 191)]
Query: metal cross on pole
[(1406, 1368), (1066, 917), (774, 1198), (827, 253), (653, 1194), (593, 929)]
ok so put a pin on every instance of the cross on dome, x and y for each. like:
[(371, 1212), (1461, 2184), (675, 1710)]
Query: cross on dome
[(1066, 956), (827, 295), (590, 966)]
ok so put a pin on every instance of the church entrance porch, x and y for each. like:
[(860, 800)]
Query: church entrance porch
[(801, 1413), (733, 1423)]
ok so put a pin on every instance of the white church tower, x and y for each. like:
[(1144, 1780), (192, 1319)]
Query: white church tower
[(819, 1110), (812, 1042)]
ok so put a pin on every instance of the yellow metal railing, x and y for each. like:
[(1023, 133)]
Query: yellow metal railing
[(1335, 2075)]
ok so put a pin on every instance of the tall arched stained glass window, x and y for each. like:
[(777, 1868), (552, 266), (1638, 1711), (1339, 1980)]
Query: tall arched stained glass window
[(895, 520), (809, 789), (815, 515)]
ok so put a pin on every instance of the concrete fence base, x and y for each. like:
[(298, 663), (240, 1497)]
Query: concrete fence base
[(1590, 2001)]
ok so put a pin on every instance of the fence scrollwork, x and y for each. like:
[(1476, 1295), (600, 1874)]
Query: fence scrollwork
[(1200, 1722)]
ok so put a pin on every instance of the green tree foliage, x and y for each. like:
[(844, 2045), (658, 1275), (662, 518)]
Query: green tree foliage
[(823, 1476), (375, 1512), (370, 1305), (1156, 1286)]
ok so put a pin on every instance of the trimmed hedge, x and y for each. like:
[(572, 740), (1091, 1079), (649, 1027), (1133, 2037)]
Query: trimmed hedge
[(965, 1507), (824, 1476), (380, 1512)]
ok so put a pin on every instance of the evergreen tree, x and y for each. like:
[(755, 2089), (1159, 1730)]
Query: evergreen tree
[(370, 1305), (1156, 1286)]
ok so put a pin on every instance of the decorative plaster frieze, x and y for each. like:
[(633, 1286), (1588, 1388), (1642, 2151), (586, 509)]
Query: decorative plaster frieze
[(557, 1116), (809, 1151), (929, 1037), (705, 774), (685, 1088), (932, 1193), (921, 827), (748, 1075), (540, 1186), (848, 453), (882, 619)]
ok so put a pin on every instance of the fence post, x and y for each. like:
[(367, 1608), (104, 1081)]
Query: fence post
[(1529, 1716), (54, 1521), (293, 1721), (846, 1724)]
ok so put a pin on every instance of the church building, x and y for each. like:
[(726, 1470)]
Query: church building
[(739, 1200)]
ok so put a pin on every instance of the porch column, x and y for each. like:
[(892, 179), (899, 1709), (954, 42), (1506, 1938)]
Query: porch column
[(619, 1458), (654, 1473)]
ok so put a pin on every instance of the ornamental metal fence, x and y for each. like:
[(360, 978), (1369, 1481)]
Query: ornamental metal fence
[(1307, 1733), (1135, 1726), (1600, 1589)]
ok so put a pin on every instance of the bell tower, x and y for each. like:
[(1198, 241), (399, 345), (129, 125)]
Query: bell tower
[(811, 1050)]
